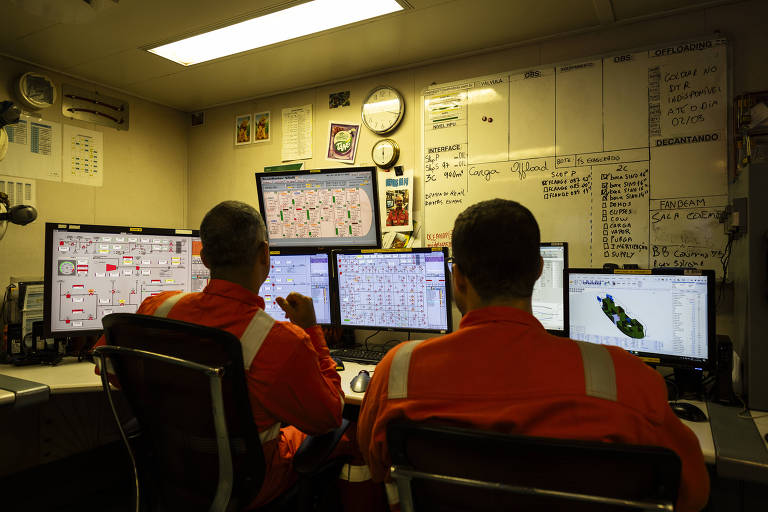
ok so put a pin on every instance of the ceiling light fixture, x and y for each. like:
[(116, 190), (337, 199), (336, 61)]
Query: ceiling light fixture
[(297, 21)]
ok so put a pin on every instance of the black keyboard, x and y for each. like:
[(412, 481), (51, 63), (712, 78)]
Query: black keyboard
[(358, 355)]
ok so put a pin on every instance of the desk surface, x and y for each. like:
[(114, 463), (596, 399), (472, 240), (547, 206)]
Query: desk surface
[(72, 376), (69, 376)]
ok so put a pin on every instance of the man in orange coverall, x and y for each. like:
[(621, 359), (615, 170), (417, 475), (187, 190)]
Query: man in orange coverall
[(501, 371), (291, 377), (398, 216)]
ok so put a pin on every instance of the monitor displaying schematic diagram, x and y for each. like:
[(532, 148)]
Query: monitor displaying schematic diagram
[(323, 208), (665, 316), (549, 300), (92, 271), (304, 272), (403, 289)]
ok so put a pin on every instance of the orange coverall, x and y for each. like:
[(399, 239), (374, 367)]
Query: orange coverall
[(501, 371), (292, 379), (397, 217)]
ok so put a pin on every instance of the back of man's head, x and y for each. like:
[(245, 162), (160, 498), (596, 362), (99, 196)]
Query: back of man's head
[(496, 246), (231, 232)]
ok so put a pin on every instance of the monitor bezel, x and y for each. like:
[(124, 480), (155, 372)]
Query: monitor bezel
[(424, 250), (565, 332), (335, 170), (332, 285), (50, 227), (655, 359)]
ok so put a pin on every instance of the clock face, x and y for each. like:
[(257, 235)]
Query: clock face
[(385, 153), (383, 109)]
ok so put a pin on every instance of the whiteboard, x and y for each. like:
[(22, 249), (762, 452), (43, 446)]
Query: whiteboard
[(624, 157)]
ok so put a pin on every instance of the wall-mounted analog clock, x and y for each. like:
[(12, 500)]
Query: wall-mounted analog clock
[(383, 109)]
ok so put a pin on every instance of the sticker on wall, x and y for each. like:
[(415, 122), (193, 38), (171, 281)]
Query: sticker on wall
[(261, 123), (338, 99), (342, 142), (243, 130), (395, 200)]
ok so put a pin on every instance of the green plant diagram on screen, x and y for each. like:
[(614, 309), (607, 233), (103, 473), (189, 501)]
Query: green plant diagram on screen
[(629, 326)]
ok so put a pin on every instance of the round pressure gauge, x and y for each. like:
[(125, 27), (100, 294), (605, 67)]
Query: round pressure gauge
[(385, 153)]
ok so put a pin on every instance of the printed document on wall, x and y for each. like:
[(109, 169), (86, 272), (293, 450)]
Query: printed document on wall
[(34, 149), (83, 156), (297, 133)]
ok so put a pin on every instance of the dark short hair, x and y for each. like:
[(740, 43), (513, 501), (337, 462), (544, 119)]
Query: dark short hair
[(496, 246), (231, 232)]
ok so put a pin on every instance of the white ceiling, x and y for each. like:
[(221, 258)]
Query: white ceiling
[(102, 41)]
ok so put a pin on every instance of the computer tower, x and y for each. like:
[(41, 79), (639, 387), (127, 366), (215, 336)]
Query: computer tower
[(722, 391), (748, 263)]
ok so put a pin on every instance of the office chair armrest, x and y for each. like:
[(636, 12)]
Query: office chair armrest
[(315, 450)]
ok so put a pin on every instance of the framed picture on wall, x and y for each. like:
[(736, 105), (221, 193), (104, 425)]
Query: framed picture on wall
[(261, 126), (243, 129)]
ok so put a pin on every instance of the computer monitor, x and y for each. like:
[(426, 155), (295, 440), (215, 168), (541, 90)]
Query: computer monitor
[(324, 208), (395, 289), (549, 300), (305, 272), (92, 271), (667, 317)]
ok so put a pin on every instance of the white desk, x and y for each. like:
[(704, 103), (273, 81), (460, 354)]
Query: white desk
[(349, 372), (73, 377), (703, 432), (761, 422), (69, 376)]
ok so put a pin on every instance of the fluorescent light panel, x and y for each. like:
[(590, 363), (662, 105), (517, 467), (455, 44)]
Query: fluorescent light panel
[(296, 21)]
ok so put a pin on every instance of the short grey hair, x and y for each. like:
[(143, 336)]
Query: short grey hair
[(232, 232)]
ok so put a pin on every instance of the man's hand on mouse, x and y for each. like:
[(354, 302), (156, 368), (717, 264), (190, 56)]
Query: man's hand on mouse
[(299, 309)]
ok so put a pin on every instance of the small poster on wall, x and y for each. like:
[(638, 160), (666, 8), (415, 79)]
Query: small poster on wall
[(243, 130), (261, 123), (342, 142), (395, 198)]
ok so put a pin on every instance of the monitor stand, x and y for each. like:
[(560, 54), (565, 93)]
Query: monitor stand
[(689, 382)]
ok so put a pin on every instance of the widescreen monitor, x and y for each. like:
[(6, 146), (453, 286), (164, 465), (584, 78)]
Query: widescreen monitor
[(324, 208), (305, 272), (549, 300), (396, 289), (92, 271), (667, 317)]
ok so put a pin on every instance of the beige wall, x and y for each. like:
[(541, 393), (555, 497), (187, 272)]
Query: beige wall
[(145, 176), (219, 170), (164, 174)]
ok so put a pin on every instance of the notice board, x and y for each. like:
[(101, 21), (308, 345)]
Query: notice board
[(624, 156)]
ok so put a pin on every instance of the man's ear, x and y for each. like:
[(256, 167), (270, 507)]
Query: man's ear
[(459, 280), (204, 258), (264, 253), (541, 267)]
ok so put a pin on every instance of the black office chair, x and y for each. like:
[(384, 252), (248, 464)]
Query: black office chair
[(193, 443), (441, 468)]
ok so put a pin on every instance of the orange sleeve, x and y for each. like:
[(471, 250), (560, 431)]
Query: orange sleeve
[(307, 393), (371, 423), (327, 364)]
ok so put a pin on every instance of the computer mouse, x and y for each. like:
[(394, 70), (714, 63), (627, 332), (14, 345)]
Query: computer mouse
[(688, 412), (360, 381)]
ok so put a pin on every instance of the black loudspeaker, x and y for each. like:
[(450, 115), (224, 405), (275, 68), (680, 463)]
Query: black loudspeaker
[(723, 389)]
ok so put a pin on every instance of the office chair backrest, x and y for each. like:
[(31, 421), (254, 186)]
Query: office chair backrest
[(509, 467), (177, 451)]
